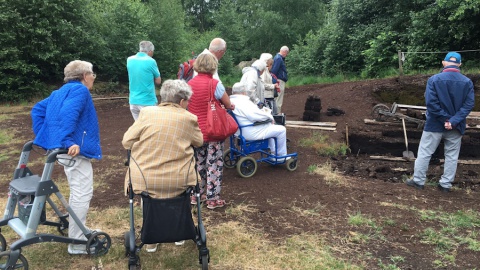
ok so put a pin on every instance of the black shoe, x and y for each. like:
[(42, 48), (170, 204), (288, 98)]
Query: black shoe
[(443, 189), (413, 184)]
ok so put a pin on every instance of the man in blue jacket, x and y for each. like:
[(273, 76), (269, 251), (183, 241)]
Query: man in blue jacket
[(279, 69), (449, 98)]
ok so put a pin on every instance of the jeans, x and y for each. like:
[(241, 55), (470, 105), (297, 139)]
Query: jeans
[(429, 142)]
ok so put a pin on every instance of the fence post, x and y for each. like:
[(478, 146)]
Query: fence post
[(400, 67)]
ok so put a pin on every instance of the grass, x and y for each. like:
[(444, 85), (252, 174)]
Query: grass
[(323, 145), (331, 177)]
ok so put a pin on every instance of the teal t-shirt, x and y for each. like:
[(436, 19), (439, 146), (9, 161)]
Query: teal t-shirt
[(142, 71)]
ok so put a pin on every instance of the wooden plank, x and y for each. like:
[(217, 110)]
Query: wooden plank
[(108, 98), (387, 123), (472, 115), (460, 161), (307, 123), (313, 127)]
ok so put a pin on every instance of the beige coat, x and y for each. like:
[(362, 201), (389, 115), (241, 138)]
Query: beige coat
[(161, 141), (267, 82)]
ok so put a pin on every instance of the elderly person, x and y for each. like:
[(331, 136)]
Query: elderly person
[(210, 154), (253, 83), (449, 98), (143, 75), (247, 113), (279, 69), (270, 82), (161, 143), (67, 119)]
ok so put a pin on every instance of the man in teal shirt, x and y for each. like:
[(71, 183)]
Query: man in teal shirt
[(143, 75)]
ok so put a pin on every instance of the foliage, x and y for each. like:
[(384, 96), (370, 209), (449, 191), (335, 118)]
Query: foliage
[(324, 146)]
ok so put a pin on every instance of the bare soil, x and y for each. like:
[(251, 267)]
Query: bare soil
[(375, 187)]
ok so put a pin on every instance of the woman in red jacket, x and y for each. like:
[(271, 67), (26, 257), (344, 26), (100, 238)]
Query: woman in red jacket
[(210, 154)]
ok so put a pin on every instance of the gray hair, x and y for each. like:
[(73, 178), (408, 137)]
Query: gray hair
[(285, 48), (146, 46), (260, 65), (174, 91), (75, 70), (217, 44), (238, 88), (266, 56)]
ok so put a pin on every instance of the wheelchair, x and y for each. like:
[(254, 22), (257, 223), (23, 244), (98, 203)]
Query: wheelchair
[(31, 193), (165, 221), (239, 154)]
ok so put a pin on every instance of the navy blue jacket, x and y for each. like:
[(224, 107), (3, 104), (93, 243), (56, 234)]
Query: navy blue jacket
[(68, 117), (279, 68), (449, 96)]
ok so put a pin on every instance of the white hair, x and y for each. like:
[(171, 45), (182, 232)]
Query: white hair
[(217, 44), (75, 70), (285, 48), (146, 46), (266, 56), (260, 65), (238, 88), (174, 91)]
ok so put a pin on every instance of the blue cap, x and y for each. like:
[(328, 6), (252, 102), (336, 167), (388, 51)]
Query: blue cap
[(455, 55)]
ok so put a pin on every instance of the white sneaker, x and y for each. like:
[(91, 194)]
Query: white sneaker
[(151, 247), (280, 160), (79, 249), (180, 243)]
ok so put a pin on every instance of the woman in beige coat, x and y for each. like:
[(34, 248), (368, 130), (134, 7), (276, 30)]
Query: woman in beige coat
[(161, 141)]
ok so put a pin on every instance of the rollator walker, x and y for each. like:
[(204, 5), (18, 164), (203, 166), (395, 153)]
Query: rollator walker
[(31, 193), (240, 151)]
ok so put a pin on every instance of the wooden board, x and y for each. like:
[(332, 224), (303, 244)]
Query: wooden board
[(307, 123), (472, 115), (108, 98), (313, 127)]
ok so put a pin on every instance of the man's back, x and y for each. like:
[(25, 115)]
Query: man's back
[(142, 71)]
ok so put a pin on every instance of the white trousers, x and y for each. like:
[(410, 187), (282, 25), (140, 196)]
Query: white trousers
[(80, 180), (135, 110), (428, 144), (277, 131), (279, 99)]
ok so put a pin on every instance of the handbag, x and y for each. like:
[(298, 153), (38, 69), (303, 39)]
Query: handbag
[(220, 125)]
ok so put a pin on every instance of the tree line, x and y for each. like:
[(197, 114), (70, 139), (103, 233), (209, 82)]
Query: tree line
[(326, 37)]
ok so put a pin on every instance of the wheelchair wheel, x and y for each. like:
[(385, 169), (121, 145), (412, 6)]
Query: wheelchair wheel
[(227, 161), (101, 243), (3, 243), (380, 111), (21, 263), (292, 164), (246, 166)]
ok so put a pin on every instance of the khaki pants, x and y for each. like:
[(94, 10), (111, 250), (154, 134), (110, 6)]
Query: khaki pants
[(279, 99)]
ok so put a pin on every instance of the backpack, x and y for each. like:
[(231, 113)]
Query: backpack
[(185, 70)]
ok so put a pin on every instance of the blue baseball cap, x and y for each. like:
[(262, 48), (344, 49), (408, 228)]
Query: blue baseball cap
[(457, 56)]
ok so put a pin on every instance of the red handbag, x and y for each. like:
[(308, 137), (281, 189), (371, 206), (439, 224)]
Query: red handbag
[(220, 124)]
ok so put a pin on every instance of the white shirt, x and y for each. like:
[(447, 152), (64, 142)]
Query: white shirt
[(248, 113)]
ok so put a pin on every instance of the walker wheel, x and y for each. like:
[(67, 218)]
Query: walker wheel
[(292, 164), (379, 112), (21, 262), (205, 259), (227, 161), (246, 167), (3, 243), (100, 242)]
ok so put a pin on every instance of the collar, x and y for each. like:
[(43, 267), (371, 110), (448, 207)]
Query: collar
[(142, 54), (169, 104), (451, 69)]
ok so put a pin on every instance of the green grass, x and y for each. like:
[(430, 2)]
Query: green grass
[(323, 145)]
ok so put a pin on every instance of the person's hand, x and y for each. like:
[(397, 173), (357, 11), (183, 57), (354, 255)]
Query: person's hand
[(448, 125), (277, 87), (74, 150), (232, 106)]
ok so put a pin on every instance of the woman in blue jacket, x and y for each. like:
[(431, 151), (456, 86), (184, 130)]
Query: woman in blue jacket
[(67, 119)]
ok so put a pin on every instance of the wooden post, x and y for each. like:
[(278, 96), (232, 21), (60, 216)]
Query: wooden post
[(400, 67)]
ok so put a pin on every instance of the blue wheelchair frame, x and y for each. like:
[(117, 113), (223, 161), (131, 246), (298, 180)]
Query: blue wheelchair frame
[(240, 149)]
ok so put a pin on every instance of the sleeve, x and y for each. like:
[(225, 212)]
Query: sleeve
[(155, 71), (38, 115), (197, 135), (71, 109), (253, 113), (219, 90), (133, 133), (466, 107)]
